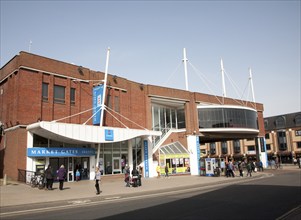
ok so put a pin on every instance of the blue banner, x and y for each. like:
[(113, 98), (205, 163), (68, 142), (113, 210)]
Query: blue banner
[(59, 152), (97, 100), (146, 165), (198, 153)]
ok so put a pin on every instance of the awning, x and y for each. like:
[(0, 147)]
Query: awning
[(77, 133), (175, 148)]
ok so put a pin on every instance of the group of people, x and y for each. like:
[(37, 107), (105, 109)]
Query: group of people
[(249, 166), (61, 174), (135, 179)]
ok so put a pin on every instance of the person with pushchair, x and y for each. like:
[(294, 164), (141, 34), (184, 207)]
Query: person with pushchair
[(135, 176), (127, 175)]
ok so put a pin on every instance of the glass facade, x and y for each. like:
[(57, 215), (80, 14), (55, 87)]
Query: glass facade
[(222, 117), (164, 117)]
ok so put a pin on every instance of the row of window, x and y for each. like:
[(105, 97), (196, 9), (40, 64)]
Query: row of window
[(237, 149), (224, 147), (58, 94), (227, 118), (281, 121)]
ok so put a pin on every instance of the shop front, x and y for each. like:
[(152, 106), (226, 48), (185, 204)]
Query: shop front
[(84, 147), (73, 159), (175, 157)]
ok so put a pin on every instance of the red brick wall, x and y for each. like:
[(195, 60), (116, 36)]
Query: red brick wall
[(15, 152)]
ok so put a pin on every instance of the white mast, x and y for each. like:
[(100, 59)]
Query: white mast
[(185, 68), (102, 107), (223, 79), (251, 82), (29, 48)]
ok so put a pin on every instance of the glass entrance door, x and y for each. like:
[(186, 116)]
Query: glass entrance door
[(116, 165), (70, 174)]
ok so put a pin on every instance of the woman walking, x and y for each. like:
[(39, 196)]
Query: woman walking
[(61, 175)]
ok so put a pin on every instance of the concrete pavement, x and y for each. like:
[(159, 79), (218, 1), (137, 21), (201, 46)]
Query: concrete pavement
[(15, 193)]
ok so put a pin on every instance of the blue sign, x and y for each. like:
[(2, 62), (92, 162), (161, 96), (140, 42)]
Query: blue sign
[(198, 153), (59, 152), (97, 101), (109, 135), (146, 165)]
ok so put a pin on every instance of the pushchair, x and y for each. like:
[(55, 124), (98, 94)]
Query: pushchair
[(134, 181)]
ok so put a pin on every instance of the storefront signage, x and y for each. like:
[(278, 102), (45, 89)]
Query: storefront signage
[(59, 152), (109, 135), (146, 167), (97, 101)]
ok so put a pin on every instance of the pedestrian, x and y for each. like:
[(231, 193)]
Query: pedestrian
[(135, 174), (240, 168), (260, 166), (231, 169), (139, 176), (61, 175), (97, 180), (158, 171), (249, 168), (77, 175), (127, 176), (299, 162), (49, 177), (166, 171)]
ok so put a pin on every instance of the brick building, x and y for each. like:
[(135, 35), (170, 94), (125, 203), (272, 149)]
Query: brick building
[(46, 118)]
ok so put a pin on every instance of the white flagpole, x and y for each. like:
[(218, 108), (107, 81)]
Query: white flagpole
[(185, 68), (102, 107), (104, 89)]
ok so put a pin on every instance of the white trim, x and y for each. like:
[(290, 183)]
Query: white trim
[(226, 106)]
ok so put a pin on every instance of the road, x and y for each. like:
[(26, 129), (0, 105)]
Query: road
[(275, 197)]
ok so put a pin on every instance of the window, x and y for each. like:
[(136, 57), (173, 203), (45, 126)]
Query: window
[(298, 120), (212, 148), (181, 118), (226, 118), (109, 101), (266, 124), (45, 91), (116, 103), (267, 136), (236, 145), (72, 96), (268, 146), (282, 140), (298, 132), (280, 122), (251, 148), (59, 94), (299, 144), (224, 147)]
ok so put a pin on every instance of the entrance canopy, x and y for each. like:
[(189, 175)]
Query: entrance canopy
[(173, 149), (77, 133)]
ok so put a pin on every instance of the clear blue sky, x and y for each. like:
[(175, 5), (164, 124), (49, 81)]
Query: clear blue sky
[(147, 40)]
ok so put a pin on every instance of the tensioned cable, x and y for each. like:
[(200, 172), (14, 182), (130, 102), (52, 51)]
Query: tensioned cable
[(117, 119), (73, 115), (236, 88), (173, 73), (203, 78), (126, 118)]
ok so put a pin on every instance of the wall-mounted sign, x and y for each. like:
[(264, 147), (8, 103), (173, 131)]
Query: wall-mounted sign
[(59, 152), (109, 135)]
